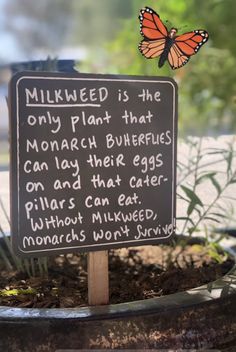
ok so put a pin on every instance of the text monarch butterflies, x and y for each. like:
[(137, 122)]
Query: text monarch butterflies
[(159, 42)]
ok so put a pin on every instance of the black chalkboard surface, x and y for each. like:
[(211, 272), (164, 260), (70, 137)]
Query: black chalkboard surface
[(93, 161)]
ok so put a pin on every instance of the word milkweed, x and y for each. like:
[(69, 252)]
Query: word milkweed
[(159, 42)]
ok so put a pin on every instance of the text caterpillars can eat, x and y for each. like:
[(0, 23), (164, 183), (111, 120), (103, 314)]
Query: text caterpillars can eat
[(93, 161)]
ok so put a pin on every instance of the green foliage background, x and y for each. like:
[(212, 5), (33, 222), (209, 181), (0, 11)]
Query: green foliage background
[(109, 31), (207, 84)]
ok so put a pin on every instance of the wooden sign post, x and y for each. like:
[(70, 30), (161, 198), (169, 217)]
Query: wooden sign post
[(98, 280), (93, 165)]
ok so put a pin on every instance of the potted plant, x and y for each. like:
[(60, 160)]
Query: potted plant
[(201, 317)]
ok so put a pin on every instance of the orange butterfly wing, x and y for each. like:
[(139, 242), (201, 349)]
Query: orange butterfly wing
[(185, 46), (152, 49), (154, 32), (176, 58)]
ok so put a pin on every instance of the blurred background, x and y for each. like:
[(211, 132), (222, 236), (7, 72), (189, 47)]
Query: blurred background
[(102, 37)]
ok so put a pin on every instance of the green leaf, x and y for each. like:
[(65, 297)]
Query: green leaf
[(214, 255), (205, 176), (229, 160), (212, 219), (210, 176), (216, 184), (192, 196), (191, 208), (217, 152), (194, 200), (220, 215)]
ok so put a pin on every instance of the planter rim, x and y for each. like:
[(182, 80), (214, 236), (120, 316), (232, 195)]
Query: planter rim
[(218, 289)]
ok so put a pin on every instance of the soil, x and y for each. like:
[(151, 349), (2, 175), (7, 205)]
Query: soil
[(135, 274)]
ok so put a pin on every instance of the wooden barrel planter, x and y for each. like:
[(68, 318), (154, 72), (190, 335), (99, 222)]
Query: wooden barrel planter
[(203, 317)]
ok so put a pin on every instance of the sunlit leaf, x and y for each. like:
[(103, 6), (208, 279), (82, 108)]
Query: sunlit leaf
[(17, 292)]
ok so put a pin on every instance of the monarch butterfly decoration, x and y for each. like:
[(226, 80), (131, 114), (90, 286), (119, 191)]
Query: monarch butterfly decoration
[(159, 42)]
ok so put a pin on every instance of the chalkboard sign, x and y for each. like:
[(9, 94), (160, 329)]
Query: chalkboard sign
[(93, 161)]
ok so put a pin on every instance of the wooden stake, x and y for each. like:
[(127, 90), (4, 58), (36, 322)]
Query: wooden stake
[(98, 279)]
